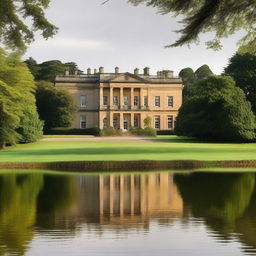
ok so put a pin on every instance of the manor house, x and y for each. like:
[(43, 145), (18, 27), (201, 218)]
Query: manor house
[(124, 100)]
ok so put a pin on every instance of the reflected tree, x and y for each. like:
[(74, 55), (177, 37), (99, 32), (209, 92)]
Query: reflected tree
[(218, 198), (18, 195), (56, 198)]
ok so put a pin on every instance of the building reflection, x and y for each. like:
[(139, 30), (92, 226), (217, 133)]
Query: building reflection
[(114, 199)]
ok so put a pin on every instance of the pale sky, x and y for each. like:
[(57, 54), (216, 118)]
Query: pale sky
[(119, 34)]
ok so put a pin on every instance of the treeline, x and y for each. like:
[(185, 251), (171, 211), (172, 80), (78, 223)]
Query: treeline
[(220, 108), (55, 106), (29, 102), (48, 70)]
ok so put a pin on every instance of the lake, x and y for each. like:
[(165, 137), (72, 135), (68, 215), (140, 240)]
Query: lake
[(161, 213)]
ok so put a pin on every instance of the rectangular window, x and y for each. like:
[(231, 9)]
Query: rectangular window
[(115, 100), (136, 122), (170, 122), (145, 101), (82, 122), (126, 100), (83, 101), (157, 101), (136, 100), (105, 100), (170, 101), (125, 123), (157, 122), (115, 122)]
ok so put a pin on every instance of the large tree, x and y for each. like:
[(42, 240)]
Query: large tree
[(56, 107), (217, 110), (222, 17), (243, 69), (16, 97), (189, 78), (48, 70), (15, 17), (203, 72)]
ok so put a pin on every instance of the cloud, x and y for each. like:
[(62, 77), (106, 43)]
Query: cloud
[(65, 42)]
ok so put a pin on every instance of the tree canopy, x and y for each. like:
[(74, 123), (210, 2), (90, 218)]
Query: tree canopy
[(189, 77), (221, 17), (55, 106), (15, 16), (17, 101), (48, 70), (242, 67), (203, 72), (217, 110)]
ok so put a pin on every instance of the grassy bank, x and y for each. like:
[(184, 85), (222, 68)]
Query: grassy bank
[(162, 148)]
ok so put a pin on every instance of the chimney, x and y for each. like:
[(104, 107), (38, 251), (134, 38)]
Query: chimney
[(89, 71), (116, 70), (168, 73), (101, 70), (66, 72), (95, 71), (146, 71), (136, 71)]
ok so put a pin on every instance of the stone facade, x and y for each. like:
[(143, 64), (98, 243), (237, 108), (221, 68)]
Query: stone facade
[(122, 100)]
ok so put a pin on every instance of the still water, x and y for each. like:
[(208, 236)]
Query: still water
[(128, 214)]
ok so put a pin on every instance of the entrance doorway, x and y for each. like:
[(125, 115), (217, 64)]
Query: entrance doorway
[(126, 123)]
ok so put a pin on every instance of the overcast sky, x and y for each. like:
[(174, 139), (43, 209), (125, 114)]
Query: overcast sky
[(119, 34)]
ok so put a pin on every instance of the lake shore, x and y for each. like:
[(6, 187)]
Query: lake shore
[(127, 166)]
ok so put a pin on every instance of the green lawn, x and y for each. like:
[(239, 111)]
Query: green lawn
[(162, 148)]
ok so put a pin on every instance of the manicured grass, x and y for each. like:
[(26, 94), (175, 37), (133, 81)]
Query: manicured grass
[(161, 148)]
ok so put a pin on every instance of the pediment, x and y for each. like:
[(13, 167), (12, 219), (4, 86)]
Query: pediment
[(128, 77)]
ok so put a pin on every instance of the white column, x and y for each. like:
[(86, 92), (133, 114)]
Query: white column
[(141, 120), (121, 98), (110, 97), (132, 98), (132, 119), (121, 121), (111, 118), (141, 98)]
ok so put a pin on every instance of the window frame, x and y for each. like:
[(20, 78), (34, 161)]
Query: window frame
[(126, 100), (159, 122), (171, 101), (83, 120), (115, 100), (81, 101), (155, 101), (168, 122), (145, 101), (105, 97), (136, 101)]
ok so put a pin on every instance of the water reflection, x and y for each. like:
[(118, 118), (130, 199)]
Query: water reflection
[(56, 207)]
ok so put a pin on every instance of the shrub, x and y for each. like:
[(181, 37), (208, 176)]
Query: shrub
[(110, 131), (147, 121), (31, 128), (143, 132)]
